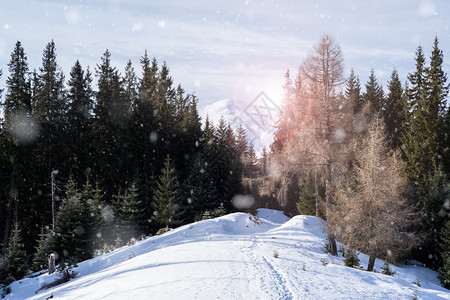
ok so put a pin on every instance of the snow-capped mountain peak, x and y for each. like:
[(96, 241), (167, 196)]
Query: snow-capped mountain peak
[(258, 117)]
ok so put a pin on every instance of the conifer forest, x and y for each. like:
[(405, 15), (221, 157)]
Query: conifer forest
[(94, 158)]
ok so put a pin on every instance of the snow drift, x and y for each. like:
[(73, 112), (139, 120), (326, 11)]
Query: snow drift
[(236, 256)]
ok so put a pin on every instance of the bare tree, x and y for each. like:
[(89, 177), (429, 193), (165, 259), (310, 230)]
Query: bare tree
[(314, 124), (373, 215), (324, 70)]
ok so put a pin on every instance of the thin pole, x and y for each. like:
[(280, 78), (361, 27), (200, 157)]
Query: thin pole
[(53, 199)]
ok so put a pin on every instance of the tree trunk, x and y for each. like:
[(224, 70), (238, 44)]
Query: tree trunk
[(329, 202), (371, 263)]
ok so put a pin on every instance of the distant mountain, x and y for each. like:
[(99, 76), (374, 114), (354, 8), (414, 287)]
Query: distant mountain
[(258, 117)]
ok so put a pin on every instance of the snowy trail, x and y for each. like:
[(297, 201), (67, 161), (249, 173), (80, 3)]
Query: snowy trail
[(232, 257)]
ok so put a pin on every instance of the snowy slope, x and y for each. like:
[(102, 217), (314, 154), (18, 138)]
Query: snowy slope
[(232, 257), (258, 118)]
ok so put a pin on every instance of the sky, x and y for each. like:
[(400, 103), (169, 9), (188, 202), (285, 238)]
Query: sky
[(226, 49)]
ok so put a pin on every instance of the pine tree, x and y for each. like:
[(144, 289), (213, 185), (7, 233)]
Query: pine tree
[(209, 131), (20, 135), (394, 114), (18, 132), (164, 104), (92, 200), (437, 92), (200, 190), (444, 271), (73, 228), (16, 258), (446, 150), (374, 95), (417, 88), (43, 250), (250, 162), (50, 109), (307, 202), (166, 197), (80, 97), (424, 137), (131, 212), (353, 93), (145, 134), (49, 102), (18, 93), (130, 86), (241, 146), (110, 157)]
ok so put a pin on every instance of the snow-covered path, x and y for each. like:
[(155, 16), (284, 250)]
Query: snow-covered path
[(233, 257)]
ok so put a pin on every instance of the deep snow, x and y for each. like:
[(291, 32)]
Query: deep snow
[(233, 257)]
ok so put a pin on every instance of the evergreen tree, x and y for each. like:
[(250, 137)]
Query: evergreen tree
[(444, 271), (79, 96), (241, 146), (307, 202), (394, 113), (107, 94), (353, 93), (222, 129), (131, 212), (374, 95), (423, 139), (209, 131), (18, 148), (111, 149), (437, 92), (164, 104), (446, 142), (145, 134), (15, 263), (130, 86), (80, 107), (416, 81), (43, 250), (166, 197), (17, 134), (191, 125), (250, 162), (92, 200), (18, 94), (200, 190), (73, 228), (49, 108), (48, 102)]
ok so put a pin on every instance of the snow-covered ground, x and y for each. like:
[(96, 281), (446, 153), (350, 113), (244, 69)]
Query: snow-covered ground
[(233, 257)]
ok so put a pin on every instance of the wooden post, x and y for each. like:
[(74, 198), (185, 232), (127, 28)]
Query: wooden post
[(51, 264)]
